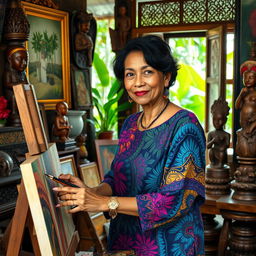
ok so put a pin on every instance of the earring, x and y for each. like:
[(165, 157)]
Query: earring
[(130, 99), (166, 93)]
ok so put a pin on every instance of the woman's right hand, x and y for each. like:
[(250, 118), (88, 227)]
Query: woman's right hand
[(73, 179)]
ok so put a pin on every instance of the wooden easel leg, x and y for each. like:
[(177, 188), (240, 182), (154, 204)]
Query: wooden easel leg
[(18, 223), (32, 233)]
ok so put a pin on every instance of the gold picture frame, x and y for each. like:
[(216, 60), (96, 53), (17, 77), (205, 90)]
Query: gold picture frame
[(105, 151), (49, 58), (68, 165), (90, 174)]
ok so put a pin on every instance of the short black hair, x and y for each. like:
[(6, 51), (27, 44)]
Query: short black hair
[(157, 54)]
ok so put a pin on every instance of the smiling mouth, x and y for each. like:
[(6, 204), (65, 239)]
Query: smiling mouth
[(140, 93)]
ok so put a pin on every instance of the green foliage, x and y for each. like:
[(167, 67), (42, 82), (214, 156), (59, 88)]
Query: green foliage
[(105, 98), (44, 44), (189, 91)]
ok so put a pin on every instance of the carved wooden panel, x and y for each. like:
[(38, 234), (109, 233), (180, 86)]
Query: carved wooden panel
[(183, 12), (47, 3)]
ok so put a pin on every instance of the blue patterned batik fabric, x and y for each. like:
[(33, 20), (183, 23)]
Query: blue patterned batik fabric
[(163, 168)]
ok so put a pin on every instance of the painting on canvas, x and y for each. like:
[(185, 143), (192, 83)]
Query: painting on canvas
[(54, 226)]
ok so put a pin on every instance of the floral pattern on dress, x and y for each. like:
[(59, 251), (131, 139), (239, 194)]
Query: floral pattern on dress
[(163, 168)]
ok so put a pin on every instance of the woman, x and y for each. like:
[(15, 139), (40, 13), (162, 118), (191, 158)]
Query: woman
[(157, 176)]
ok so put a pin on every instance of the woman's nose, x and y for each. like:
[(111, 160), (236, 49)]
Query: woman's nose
[(139, 81)]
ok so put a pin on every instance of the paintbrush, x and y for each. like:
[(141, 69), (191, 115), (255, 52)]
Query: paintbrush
[(61, 181)]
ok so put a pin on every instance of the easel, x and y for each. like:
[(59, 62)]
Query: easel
[(37, 143)]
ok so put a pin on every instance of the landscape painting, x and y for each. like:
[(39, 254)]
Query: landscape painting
[(45, 70), (48, 47)]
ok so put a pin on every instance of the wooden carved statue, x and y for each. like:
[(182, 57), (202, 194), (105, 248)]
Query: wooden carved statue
[(218, 140), (83, 32), (61, 127), (83, 153), (245, 173), (217, 173), (16, 32), (120, 35), (246, 102), (17, 58)]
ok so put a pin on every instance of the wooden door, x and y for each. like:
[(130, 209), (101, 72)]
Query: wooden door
[(215, 69)]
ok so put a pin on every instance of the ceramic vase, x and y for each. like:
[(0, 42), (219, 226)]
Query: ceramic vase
[(75, 118)]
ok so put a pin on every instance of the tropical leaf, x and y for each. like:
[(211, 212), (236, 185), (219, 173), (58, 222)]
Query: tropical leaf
[(114, 89), (101, 69)]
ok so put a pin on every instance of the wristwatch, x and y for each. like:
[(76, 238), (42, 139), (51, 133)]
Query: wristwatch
[(112, 206)]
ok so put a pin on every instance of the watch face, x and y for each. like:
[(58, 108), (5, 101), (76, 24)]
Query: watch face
[(113, 204)]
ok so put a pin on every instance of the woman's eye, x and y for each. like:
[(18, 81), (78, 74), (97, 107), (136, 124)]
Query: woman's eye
[(148, 72), (129, 74)]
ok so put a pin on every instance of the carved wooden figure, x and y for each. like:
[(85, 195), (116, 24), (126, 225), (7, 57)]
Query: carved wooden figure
[(123, 25), (83, 42), (121, 34), (61, 128), (217, 173), (83, 153), (17, 58), (246, 102), (245, 173), (16, 32)]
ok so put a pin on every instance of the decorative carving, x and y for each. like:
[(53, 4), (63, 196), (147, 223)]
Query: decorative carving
[(245, 174), (12, 137), (217, 173), (242, 237), (194, 11), (218, 140), (83, 31), (2, 15), (212, 230), (83, 153), (61, 128), (246, 102), (183, 12), (14, 74), (121, 34), (47, 3), (16, 26)]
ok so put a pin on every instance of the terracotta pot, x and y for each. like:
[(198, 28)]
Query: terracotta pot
[(107, 135)]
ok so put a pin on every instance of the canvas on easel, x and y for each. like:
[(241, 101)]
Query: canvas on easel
[(54, 226), (52, 230)]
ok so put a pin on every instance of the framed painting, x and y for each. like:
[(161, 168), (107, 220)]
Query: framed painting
[(105, 151), (81, 90), (68, 165), (48, 46), (54, 227), (90, 174)]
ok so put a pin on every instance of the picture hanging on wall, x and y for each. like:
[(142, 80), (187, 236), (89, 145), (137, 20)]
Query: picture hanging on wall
[(105, 150), (81, 90), (48, 48)]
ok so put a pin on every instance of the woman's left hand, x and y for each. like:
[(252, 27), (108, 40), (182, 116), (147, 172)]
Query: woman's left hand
[(82, 198)]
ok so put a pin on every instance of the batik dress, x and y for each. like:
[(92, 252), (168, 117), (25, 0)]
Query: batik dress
[(163, 168)]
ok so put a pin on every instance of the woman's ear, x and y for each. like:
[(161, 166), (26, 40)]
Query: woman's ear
[(167, 78)]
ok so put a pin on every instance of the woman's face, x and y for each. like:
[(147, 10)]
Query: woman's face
[(249, 79), (144, 84)]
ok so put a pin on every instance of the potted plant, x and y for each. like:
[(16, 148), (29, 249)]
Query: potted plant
[(105, 98)]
